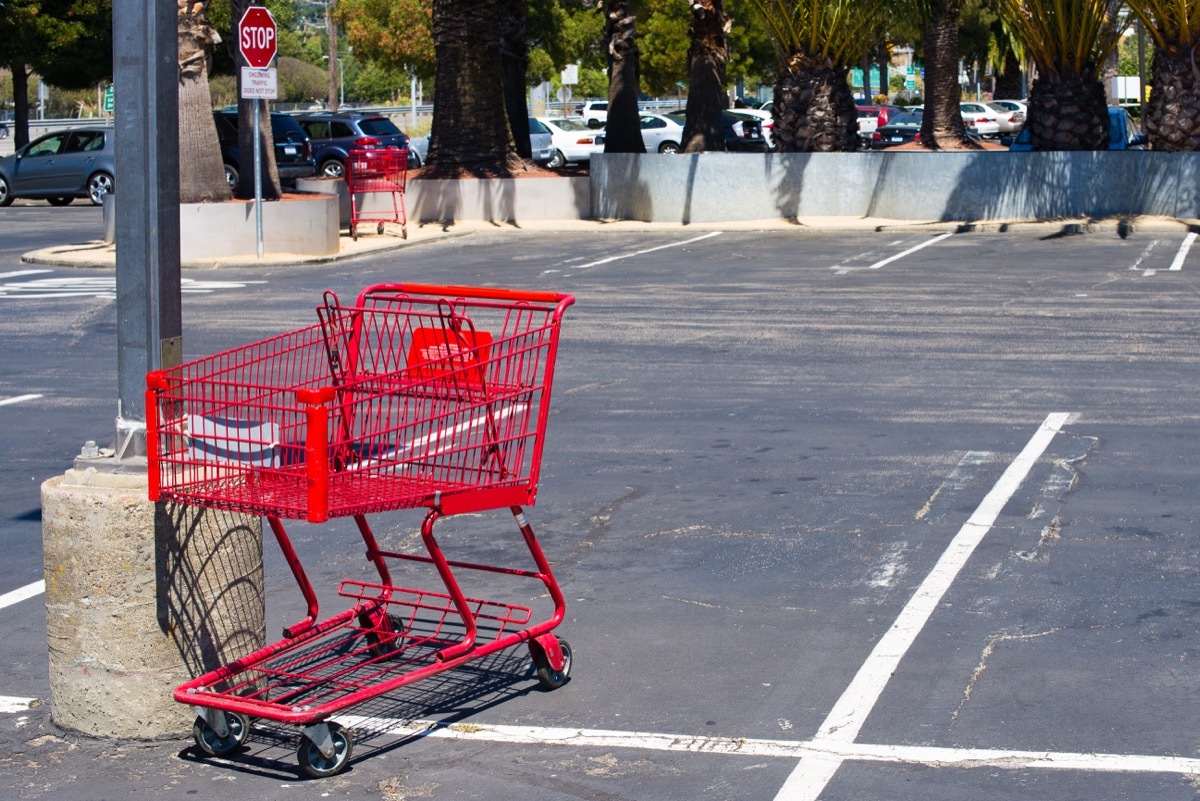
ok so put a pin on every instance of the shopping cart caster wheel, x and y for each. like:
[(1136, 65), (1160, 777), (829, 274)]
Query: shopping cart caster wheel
[(379, 228), (354, 233), (318, 765), (213, 744), (404, 232), (550, 678)]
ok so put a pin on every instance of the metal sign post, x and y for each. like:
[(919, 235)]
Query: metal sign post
[(257, 38)]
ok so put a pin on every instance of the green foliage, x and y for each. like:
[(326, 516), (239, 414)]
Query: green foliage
[(1127, 56), (838, 30), (663, 43), (751, 52), (67, 41), (1074, 36), (396, 34), (1170, 22)]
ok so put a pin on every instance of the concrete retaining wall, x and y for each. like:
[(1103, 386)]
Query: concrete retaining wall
[(492, 200), (305, 224), (990, 185)]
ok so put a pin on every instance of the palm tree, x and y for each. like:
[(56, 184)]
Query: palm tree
[(470, 125), (623, 131), (201, 173), (817, 42), (941, 124), (1173, 113), (1068, 41), (707, 58)]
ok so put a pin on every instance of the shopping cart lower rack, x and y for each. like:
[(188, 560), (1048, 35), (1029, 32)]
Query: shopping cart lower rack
[(415, 397)]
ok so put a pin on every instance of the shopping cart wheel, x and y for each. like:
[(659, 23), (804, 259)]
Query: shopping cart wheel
[(213, 744), (404, 232), (379, 228), (550, 678), (338, 747), (354, 232)]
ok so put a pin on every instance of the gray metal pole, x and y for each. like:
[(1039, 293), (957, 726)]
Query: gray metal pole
[(149, 324)]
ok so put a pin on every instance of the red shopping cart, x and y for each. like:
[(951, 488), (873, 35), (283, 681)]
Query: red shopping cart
[(414, 397), (377, 172)]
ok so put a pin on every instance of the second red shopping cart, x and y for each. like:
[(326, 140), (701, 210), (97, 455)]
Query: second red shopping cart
[(383, 174), (414, 397)]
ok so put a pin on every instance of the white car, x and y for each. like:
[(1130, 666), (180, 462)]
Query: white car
[(980, 119), (594, 113), (1010, 114), (660, 134), (574, 142), (768, 121)]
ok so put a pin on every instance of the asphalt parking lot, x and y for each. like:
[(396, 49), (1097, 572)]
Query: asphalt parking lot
[(839, 515)]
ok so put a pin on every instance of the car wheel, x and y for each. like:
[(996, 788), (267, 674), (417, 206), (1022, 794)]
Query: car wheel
[(557, 162), (414, 160), (98, 186), (59, 201), (6, 197), (668, 148), (231, 176), (332, 168)]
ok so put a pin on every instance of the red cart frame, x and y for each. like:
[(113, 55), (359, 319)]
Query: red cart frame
[(414, 397), (382, 171)]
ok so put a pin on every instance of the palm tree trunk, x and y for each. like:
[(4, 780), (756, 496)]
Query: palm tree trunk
[(201, 173), (1173, 112), (1008, 82), (20, 126), (814, 108), (1068, 112), (623, 131), (942, 123), (707, 58), (470, 126), (514, 56)]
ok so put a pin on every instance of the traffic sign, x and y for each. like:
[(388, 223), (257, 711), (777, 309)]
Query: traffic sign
[(257, 37), (107, 103)]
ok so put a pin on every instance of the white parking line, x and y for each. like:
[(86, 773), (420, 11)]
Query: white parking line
[(11, 703), (909, 252), (25, 593), (848, 715), (19, 273), (810, 750), (1188, 241), (644, 252), (18, 399)]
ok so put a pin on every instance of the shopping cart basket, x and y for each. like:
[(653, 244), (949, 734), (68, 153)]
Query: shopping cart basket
[(414, 397), (381, 171)]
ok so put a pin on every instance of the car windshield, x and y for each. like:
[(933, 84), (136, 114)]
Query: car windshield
[(378, 126), (570, 125)]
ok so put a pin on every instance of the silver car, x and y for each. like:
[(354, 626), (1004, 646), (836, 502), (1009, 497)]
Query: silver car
[(541, 142), (60, 167)]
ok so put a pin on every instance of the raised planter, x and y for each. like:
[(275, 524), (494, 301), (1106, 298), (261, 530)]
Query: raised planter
[(959, 186), (302, 223), (483, 199)]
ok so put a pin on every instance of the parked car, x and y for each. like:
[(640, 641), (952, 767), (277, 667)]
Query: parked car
[(574, 142), (766, 121), (293, 153), (541, 142), (871, 117), (900, 130), (980, 119), (60, 167), (1010, 114), (660, 134), (743, 133), (594, 113), (335, 133), (1123, 134)]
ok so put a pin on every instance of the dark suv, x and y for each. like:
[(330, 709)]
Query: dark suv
[(293, 153), (335, 134)]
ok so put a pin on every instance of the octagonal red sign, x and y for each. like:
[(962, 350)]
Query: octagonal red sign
[(257, 37)]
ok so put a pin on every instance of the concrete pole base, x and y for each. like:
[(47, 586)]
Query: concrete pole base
[(139, 598)]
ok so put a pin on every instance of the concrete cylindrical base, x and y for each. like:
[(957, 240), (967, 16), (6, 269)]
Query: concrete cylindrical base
[(139, 598)]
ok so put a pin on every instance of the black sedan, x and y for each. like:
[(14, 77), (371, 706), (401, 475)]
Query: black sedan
[(900, 130)]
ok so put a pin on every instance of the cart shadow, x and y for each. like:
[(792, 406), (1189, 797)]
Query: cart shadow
[(392, 721)]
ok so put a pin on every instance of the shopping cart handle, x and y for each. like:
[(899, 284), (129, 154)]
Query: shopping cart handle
[(485, 293)]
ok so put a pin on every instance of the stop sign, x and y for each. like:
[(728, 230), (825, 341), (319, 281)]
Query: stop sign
[(256, 37)]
